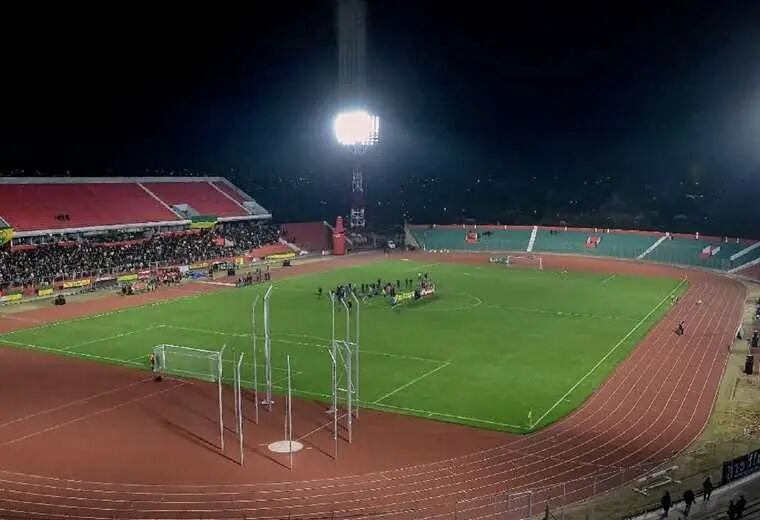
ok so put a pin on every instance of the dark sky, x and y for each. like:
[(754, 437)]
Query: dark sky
[(650, 110)]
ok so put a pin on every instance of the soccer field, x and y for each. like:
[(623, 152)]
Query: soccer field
[(492, 346)]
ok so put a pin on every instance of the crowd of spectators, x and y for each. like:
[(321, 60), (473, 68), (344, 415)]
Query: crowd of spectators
[(44, 264)]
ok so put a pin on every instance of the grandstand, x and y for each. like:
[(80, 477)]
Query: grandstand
[(44, 206), (730, 255)]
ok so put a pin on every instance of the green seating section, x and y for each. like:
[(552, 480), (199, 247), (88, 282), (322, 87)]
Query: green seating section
[(454, 239), (688, 251), (752, 255), (618, 245), (679, 250)]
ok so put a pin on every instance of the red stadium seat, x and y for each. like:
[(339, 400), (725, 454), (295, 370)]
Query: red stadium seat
[(35, 207), (203, 197)]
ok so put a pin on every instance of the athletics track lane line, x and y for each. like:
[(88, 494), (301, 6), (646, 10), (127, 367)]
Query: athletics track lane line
[(89, 415)]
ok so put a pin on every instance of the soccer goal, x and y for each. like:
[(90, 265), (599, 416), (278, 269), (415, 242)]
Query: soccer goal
[(527, 261), (196, 363)]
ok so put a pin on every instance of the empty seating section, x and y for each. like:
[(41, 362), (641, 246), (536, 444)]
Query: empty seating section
[(589, 242), (201, 196), (685, 250), (35, 207), (309, 236), (235, 194), (489, 238), (746, 258), (708, 252)]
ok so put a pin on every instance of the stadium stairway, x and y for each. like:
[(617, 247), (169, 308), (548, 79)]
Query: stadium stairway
[(532, 241)]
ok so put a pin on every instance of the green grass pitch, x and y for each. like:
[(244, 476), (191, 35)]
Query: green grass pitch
[(494, 345)]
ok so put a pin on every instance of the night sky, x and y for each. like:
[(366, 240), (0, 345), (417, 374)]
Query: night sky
[(641, 115)]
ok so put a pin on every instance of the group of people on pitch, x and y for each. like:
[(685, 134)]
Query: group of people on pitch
[(377, 288)]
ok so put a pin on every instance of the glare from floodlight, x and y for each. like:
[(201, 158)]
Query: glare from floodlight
[(357, 128)]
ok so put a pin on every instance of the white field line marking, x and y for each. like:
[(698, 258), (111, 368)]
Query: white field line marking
[(20, 318), (207, 331), (410, 383), (609, 278), (70, 353), (441, 414), (386, 407), (48, 324), (278, 338), (559, 313), (72, 403), (93, 414), (107, 338), (609, 353)]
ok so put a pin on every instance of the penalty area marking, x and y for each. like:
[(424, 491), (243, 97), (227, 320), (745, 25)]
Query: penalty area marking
[(608, 354), (415, 411), (415, 380)]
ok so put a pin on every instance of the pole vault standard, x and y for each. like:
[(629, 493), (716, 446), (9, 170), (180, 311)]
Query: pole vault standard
[(334, 382), (219, 384), (255, 367), (268, 351), (347, 362), (239, 394), (356, 354), (289, 418)]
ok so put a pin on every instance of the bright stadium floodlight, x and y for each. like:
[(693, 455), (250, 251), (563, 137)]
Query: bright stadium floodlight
[(357, 128)]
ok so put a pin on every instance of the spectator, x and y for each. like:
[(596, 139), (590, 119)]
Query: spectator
[(666, 502), (43, 264), (688, 500), (707, 489), (740, 505)]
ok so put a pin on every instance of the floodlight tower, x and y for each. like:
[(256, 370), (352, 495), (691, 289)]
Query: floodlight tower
[(355, 128), (358, 130)]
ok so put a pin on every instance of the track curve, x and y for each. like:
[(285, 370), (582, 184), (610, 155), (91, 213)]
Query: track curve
[(652, 407)]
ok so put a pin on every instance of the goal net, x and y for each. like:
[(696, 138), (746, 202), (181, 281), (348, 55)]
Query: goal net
[(205, 365), (189, 362), (527, 261)]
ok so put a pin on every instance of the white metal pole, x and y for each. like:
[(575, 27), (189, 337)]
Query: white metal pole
[(356, 354), (290, 418), (268, 350), (240, 405), (332, 343), (348, 320), (235, 385), (219, 384), (349, 375), (255, 368), (334, 375)]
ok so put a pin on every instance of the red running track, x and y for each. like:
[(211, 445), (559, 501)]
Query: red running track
[(652, 407)]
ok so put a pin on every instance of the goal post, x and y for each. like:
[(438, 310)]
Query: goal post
[(523, 261), (196, 363)]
